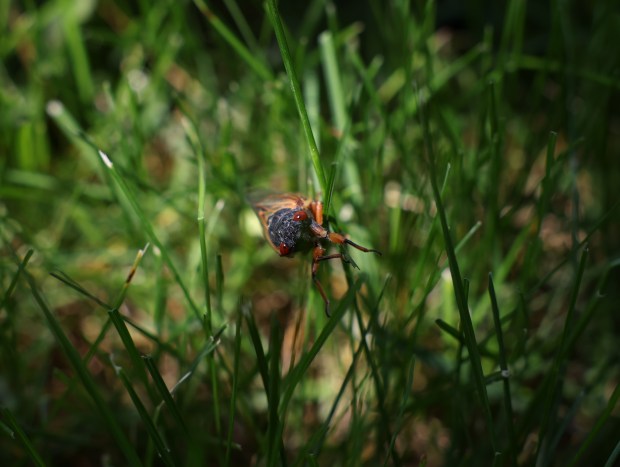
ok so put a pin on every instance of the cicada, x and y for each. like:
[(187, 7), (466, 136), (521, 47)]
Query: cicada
[(294, 224)]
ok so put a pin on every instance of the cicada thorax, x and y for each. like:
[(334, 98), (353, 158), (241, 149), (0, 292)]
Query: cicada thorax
[(292, 230)]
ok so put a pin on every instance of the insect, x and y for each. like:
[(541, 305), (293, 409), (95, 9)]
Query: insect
[(293, 223)]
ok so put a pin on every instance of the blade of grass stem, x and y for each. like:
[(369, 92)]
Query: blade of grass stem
[(274, 430), (235, 384), (611, 405), (261, 361), (403, 406), (208, 319), (316, 442), (162, 449), (615, 454), (203, 240), (211, 345), (130, 347), (553, 384), (68, 281), (503, 364), (20, 268), (19, 434), (380, 391), (89, 384), (148, 229), (243, 26), (250, 58), (278, 27), (452, 331), (466, 322), (165, 394), (295, 376)]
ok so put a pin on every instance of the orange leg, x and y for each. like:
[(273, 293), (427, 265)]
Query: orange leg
[(317, 255), (340, 239), (317, 211)]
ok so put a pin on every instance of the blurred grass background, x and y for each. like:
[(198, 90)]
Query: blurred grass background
[(474, 143)]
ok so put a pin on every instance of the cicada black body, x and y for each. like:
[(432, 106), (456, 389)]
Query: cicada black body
[(293, 223)]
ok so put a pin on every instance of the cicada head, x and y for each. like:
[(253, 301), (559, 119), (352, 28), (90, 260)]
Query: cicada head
[(287, 222)]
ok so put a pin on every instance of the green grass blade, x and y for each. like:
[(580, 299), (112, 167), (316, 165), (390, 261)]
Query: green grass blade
[(459, 292), (503, 363), (274, 428), (611, 405), (19, 434), (235, 385), (20, 269), (553, 385), (250, 58), (403, 406), (149, 231), (89, 384), (165, 394), (129, 344), (615, 454), (149, 423), (314, 446), (452, 331), (295, 376), (278, 27), (202, 180)]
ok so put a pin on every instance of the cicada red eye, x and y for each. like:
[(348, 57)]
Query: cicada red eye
[(283, 249), (300, 216)]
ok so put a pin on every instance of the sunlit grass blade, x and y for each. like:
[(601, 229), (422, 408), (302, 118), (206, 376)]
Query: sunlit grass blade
[(192, 136), (276, 21), (149, 231)]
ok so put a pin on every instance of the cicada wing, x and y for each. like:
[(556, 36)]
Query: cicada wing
[(266, 204)]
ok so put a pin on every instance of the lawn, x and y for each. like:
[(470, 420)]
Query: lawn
[(146, 320)]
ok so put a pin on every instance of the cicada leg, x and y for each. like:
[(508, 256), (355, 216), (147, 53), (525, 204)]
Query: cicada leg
[(341, 239), (316, 207), (317, 257)]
